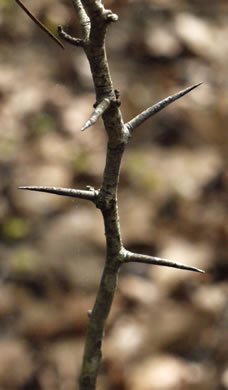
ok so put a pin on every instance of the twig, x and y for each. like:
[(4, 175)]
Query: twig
[(68, 38), (139, 119), (138, 258), (99, 110), (41, 25), (83, 19), (88, 195)]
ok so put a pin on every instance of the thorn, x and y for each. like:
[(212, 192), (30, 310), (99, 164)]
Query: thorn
[(81, 194), (139, 258), (98, 111), (143, 116), (87, 124)]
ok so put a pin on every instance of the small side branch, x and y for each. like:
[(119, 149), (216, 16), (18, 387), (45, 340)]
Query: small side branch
[(138, 258), (139, 119), (84, 20), (91, 194), (41, 25), (68, 38)]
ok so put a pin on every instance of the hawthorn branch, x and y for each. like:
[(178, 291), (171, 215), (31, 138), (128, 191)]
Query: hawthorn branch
[(99, 110), (94, 20), (139, 119), (91, 194), (107, 199), (138, 258)]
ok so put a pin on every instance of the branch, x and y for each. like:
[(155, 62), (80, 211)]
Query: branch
[(99, 110), (84, 20), (41, 25), (139, 119), (96, 325), (68, 38), (138, 258), (91, 194)]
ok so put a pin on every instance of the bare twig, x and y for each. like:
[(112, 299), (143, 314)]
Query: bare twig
[(41, 25), (68, 38), (139, 119), (88, 195), (138, 258), (99, 110), (84, 20)]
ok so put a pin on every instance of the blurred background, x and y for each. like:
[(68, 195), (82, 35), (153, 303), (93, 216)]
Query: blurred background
[(168, 328)]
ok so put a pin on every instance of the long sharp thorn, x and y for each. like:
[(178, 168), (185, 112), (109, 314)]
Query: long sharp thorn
[(135, 257), (90, 195), (143, 116)]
